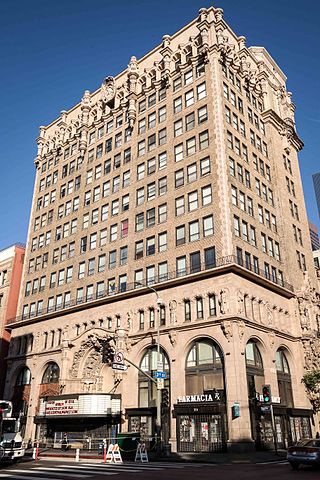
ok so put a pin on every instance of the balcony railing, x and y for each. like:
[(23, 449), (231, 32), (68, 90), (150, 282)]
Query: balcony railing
[(127, 287)]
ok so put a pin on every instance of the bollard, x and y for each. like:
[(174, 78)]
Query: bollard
[(77, 454), (105, 451), (34, 453), (37, 451)]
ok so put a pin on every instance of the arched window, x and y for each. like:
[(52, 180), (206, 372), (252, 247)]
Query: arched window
[(254, 367), (253, 356), (204, 367), (24, 377), (149, 364), (284, 379), (51, 373)]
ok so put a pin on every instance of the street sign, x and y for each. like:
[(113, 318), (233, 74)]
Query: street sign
[(118, 357), (160, 374), (265, 409), (119, 366), (160, 383)]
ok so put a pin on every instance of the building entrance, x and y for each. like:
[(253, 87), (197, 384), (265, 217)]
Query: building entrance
[(200, 433)]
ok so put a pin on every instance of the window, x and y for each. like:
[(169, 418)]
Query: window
[(151, 217), (178, 128), (177, 105), (81, 271), (188, 77), (123, 255), (187, 310), (93, 241), (179, 178), (91, 263), (193, 201), (162, 160), (199, 306), (113, 232), (192, 172), (152, 120), (162, 114), (162, 242), (194, 231), (206, 194), (141, 320), (203, 140), (202, 114), (141, 148), (162, 213), (201, 91), (139, 222), (205, 166), (162, 271), (152, 100), (162, 185), (191, 146), (139, 250), (150, 246), (190, 122), (178, 152), (124, 228), (151, 165), (210, 257), (195, 264), (152, 142), (150, 275), (180, 235), (151, 191), (189, 98), (181, 266), (101, 263), (112, 259), (208, 226)]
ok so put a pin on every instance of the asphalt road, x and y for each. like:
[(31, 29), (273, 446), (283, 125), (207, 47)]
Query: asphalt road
[(60, 470)]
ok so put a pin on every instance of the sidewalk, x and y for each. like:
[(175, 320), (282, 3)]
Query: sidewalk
[(215, 458)]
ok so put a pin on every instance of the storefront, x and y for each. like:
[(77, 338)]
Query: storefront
[(85, 418), (201, 422)]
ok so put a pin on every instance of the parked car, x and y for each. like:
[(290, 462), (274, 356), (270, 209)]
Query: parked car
[(306, 452)]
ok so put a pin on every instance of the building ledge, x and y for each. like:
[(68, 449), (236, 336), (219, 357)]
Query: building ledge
[(229, 264)]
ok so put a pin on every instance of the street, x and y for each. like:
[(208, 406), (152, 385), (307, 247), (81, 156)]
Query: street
[(52, 470)]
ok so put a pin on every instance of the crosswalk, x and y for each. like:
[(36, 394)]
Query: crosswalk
[(88, 470)]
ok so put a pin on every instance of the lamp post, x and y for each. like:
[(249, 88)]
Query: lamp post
[(158, 399)]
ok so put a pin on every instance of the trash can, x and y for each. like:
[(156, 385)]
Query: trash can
[(167, 450), (128, 442)]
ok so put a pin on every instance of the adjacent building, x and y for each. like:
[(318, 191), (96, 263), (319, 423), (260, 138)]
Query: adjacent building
[(316, 185), (314, 236), (170, 199), (11, 264)]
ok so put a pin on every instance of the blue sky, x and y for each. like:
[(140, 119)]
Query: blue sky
[(52, 51)]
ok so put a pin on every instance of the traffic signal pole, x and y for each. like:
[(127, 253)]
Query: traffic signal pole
[(274, 430)]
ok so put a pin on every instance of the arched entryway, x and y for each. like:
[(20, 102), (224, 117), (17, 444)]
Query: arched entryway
[(201, 412)]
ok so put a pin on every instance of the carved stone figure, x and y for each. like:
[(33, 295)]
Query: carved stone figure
[(92, 365), (108, 90), (91, 342), (172, 309), (173, 338), (223, 303), (226, 327), (240, 298)]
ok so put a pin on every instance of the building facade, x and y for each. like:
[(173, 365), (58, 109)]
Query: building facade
[(11, 264), (170, 199)]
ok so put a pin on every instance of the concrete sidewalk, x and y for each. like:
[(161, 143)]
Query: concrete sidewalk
[(215, 458)]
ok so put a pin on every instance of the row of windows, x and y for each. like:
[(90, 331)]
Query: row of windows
[(262, 167), (190, 148), (48, 181), (151, 191), (49, 164), (287, 164), (248, 233), (151, 120), (194, 230), (240, 149), (290, 186), (233, 120), (189, 122), (189, 98), (294, 210), (251, 262), (149, 275)]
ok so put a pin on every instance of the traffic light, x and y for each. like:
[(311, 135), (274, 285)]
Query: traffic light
[(5, 406), (266, 394), (107, 353), (165, 400)]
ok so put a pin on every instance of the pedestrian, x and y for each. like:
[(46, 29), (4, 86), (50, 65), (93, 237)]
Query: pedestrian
[(317, 435), (64, 444)]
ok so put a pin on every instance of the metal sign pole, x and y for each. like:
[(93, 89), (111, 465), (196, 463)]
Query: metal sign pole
[(274, 430)]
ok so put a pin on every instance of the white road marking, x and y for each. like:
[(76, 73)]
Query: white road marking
[(76, 471), (22, 477), (46, 471), (103, 468)]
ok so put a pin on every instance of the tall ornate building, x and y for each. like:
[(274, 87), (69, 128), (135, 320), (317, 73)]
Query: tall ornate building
[(170, 198)]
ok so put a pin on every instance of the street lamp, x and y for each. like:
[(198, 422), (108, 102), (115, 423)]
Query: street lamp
[(158, 399)]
